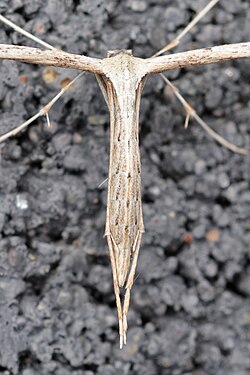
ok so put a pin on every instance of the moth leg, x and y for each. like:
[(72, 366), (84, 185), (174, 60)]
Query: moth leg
[(130, 281), (43, 112), (191, 24), (191, 113), (116, 288)]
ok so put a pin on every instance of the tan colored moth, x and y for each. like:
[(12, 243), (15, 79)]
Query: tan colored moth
[(121, 77)]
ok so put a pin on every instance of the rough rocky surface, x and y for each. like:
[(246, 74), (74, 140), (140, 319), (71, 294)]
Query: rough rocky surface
[(190, 308)]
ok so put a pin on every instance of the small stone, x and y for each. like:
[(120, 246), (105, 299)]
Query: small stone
[(211, 269), (97, 119), (206, 291), (232, 270), (200, 167), (62, 140), (189, 302), (173, 17), (172, 264), (49, 75), (77, 138), (74, 159), (223, 180), (199, 231), (187, 238), (106, 370), (22, 202), (213, 98), (224, 220), (15, 152), (213, 235), (243, 284), (64, 299), (154, 191), (228, 344), (137, 5)]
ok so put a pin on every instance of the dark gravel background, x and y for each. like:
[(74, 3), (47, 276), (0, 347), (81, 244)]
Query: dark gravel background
[(190, 311)]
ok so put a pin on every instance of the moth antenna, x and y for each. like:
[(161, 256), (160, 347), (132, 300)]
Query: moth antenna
[(24, 32), (43, 112), (194, 21), (192, 114)]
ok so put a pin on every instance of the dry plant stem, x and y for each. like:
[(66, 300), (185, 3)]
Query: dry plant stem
[(196, 19), (154, 64), (192, 113)]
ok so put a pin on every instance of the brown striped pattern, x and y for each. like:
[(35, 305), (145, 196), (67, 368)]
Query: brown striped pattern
[(125, 219), (122, 90)]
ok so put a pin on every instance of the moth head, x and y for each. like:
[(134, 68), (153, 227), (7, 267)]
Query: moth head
[(119, 51)]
